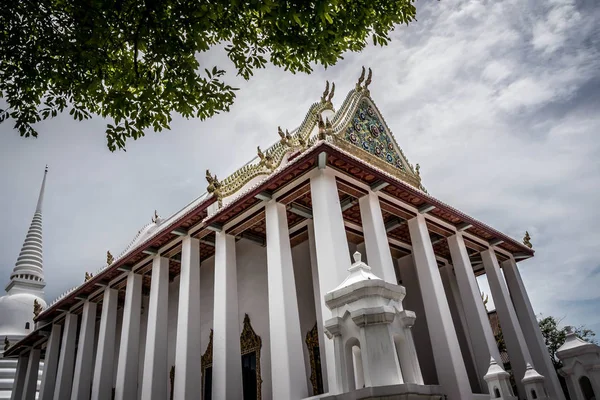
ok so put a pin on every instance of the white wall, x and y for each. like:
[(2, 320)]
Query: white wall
[(414, 302), (142, 344), (253, 300), (207, 282), (172, 329), (305, 295)]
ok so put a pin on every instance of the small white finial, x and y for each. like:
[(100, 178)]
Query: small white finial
[(357, 257), (493, 361), (528, 366), (569, 329)]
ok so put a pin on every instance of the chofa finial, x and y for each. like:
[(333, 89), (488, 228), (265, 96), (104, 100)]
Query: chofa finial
[(155, 217), (331, 93), (527, 240), (109, 258), (213, 184), (360, 79), (6, 343), (368, 81), (325, 92)]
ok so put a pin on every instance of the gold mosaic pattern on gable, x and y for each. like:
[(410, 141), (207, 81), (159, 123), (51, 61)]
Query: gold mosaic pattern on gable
[(271, 158)]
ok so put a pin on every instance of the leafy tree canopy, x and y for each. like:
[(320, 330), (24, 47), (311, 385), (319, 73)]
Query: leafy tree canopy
[(135, 62), (555, 336)]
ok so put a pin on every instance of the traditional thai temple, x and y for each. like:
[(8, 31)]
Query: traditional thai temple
[(320, 268), (23, 300)]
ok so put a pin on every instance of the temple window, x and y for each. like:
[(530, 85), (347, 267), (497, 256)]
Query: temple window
[(354, 367), (207, 369), (533, 394), (586, 388), (316, 374), (496, 393), (27, 325), (250, 344)]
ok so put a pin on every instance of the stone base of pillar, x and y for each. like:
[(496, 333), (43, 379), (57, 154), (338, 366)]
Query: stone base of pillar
[(409, 391)]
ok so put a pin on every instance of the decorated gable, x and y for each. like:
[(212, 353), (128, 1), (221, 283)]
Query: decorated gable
[(366, 130)]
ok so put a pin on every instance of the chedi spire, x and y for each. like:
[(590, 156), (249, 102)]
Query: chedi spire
[(28, 274)]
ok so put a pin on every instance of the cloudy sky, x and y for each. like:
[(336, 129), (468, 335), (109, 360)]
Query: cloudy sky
[(498, 101)]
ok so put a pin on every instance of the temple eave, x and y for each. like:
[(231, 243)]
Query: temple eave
[(197, 220)]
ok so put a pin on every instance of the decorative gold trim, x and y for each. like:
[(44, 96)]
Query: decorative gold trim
[(206, 360), (312, 341), (37, 308), (251, 342), (527, 240), (88, 276), (271, 157), (377, 162), (109, 258)]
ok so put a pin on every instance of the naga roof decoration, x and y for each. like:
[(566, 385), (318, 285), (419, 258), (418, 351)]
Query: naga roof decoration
[(357, 127)]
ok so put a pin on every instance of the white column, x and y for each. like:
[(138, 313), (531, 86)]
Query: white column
[(105, 354), (376, 242), (531, 329), (127, 366), (31, 377), (449, 363), (227, 362), (333, 257), (156, 372), (188, 352), (318, 300), (82, 379), (19, 382), (511, 330), (66, 363), (479, 329), (288, 375), (51, 363)]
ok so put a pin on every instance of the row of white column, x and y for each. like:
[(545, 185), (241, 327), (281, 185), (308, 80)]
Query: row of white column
[(521, 331), (330, 261), (72, 372)]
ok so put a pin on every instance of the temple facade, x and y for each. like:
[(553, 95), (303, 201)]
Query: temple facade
[(250, 291)]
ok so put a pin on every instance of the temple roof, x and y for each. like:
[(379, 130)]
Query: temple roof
[(355, 139), (358, 126)]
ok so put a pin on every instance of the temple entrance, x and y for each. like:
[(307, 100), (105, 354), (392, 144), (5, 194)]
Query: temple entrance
[(250, 344), (249, 376), (314, 354)]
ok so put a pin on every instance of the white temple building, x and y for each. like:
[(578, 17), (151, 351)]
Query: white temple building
[(25, 288), (250, 292)]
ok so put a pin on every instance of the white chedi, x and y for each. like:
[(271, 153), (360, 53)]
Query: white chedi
[(498, 381), (24, 289), (371, 331), (534, 384)]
